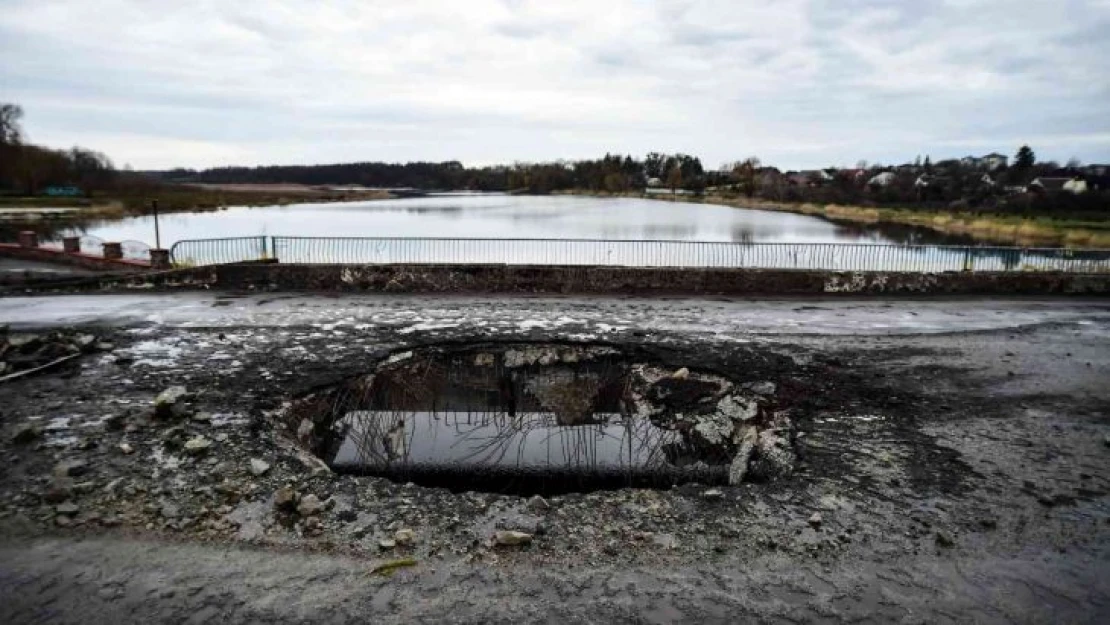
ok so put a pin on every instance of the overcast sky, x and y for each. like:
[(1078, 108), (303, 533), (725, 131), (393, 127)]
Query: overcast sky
[(798, 83)]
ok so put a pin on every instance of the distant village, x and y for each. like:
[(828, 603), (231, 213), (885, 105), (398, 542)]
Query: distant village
[(964, 179)]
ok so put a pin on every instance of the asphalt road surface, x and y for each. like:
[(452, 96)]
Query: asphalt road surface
[(959, 459)]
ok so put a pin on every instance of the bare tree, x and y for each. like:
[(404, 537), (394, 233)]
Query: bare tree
[(10, 131), (674, 178), (747, 173)]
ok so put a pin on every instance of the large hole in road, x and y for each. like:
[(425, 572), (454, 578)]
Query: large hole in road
[(542, 419)]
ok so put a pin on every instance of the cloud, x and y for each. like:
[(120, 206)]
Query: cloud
[(800, 83)]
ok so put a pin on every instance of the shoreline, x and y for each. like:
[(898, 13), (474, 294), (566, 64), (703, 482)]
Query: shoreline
[(988, 228), (188, 200), (984, 228)]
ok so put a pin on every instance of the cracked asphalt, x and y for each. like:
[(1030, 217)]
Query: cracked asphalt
[(957, 450)]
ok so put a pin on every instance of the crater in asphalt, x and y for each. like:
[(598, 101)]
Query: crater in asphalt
[(531, 419)]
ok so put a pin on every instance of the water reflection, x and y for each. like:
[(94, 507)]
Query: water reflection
[(743, 234), (496, 216), (478, 420), (901, 234)]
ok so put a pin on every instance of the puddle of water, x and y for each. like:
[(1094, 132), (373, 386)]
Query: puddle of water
[(526, 452), (516, 422)]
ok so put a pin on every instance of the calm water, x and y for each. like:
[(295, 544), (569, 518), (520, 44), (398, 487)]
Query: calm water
[(504, 216)]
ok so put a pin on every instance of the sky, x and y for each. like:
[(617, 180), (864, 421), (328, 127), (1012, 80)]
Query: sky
[(798, 83)]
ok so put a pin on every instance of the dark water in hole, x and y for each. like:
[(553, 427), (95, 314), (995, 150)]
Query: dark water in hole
[(523, 430)]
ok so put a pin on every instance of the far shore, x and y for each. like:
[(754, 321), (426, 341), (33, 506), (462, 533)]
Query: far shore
[(985, 227), (177, 199)]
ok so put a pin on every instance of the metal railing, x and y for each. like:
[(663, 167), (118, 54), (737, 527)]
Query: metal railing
[(135, 250), (694, 254), (90, 244), (194, 252)]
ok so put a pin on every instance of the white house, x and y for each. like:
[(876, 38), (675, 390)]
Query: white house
[(994, 161), (881, 180), (1075, 185), (990, 162), (971, 161), (1071, 185)]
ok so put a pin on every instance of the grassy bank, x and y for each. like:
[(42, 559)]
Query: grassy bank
[(988, 228)]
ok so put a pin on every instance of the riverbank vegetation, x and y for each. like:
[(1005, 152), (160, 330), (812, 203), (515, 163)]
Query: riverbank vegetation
[(33, 176)]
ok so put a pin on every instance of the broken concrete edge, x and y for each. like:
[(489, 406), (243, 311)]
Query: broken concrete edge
[(581, 280), (727, 419)]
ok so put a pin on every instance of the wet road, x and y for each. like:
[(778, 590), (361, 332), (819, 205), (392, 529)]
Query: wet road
[(596, 316), (111, 581)]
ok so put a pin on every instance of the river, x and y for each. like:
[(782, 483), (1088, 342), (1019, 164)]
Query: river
[(506, 217)]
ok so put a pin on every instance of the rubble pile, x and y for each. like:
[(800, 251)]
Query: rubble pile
[(720, 422), (21, 352)]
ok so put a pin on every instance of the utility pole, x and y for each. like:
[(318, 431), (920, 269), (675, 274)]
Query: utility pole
[(157, 232)]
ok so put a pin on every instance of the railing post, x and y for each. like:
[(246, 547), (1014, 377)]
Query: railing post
[(159, 259), (112, 251), (28, 238), (71, 245), (967, 258)]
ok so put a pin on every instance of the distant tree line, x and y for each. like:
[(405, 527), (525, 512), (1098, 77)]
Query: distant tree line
[(28, 169), (614, 173)]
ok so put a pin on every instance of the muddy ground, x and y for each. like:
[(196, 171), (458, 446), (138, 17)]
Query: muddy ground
[(954, 465)]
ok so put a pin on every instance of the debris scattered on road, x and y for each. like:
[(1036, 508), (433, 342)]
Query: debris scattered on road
[(388, 568), (538, 505), (25, 434), (172, 403), (71, 468), (511, 538), (310, 505), (285, 499), (197, 445), (26, 354), (259, 467)]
